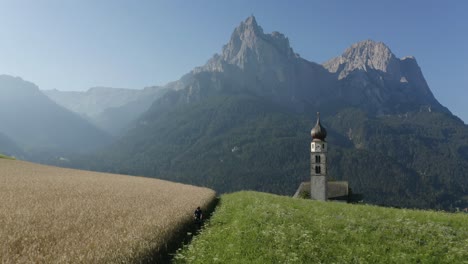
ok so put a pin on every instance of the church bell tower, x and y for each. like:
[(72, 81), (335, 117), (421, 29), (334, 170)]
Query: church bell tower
[(318, 162)]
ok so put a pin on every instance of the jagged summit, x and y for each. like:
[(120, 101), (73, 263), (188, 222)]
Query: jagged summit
[(249, 48), (251, 23), (365, 55), (372, 75), (367, 74), (262, 63), (251, 20), (248, 30)]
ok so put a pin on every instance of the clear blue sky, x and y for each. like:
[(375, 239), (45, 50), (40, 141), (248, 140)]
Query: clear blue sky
[(78, 44)]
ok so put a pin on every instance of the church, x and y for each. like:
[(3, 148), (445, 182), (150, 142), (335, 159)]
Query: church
[(319, 187)]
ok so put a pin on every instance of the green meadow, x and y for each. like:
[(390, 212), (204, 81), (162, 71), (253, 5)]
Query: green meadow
[(251, 227), (5, 157)]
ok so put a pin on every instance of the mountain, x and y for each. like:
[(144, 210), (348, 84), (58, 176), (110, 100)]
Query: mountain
[(242, 121), (110, 109), (37, 124), (8, 147), (372, 77), (259, 64)]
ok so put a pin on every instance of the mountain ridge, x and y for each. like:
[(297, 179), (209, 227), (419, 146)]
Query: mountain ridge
[(266, 65), (110, 109), (367, 73), (9, 147)]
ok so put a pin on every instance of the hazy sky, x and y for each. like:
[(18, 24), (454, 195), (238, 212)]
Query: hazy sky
[(75, 45)]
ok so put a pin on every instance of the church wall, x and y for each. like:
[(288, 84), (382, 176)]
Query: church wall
[(318, 188)]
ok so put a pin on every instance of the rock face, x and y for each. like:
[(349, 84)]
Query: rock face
[(370, 75), (258, 63), (367, 75), (250, 49), (365, 55)]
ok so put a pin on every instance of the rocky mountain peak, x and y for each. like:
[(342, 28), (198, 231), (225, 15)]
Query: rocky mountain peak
[(367, 73), (251, 22), (373, 54), (258, 62), (365, 55), (250, 48), (245, 37), (371, 71)]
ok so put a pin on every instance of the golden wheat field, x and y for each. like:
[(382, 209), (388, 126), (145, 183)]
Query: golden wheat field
[(57, 215)]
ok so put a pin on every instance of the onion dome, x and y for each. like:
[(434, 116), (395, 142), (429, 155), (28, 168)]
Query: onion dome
[(318, 132)]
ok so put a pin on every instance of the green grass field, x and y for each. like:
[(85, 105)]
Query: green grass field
[(250, 227), (5, 157)]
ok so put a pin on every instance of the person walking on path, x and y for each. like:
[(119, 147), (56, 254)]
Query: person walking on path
[(198, 215)]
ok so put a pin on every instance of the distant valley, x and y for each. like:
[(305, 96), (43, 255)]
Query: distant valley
[(110, 109)]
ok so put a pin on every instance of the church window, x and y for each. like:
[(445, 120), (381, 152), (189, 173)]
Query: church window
[(317, 169), (317, 159)]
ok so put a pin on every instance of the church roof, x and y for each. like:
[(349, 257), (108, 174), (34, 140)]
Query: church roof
[(318, 132)]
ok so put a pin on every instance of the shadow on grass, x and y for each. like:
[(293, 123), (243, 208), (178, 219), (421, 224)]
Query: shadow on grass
[(183, 237)]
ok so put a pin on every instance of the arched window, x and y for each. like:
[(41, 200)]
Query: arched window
[(317, 169), (317, 159)]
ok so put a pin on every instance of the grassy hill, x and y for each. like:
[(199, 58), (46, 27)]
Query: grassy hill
[(250, 227), (4, 157), (56, 215)]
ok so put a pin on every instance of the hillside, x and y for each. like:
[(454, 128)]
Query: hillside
[(250, 227), (52, 215), (38, 125), (235, 142), (8, 147), (5, 157)]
